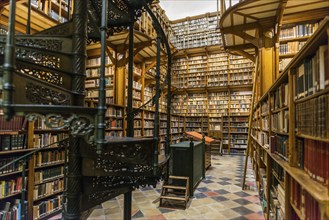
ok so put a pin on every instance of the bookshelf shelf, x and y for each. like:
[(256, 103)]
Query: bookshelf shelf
[(280, 133), (11, 173), (326, 140), (50, 214), (48, 196), (52, 164), (10, 196), (49, 180), (320, 93), (9, 132), (279, 110), (16, 151)]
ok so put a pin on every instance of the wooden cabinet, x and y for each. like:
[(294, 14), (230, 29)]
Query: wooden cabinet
[(188, 159)]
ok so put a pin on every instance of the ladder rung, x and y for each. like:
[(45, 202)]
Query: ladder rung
[(178, 177), (173, 198), (174, 187)]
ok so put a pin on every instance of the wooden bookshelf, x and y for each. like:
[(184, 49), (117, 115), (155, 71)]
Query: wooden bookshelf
[(290, 127), (195, 32)]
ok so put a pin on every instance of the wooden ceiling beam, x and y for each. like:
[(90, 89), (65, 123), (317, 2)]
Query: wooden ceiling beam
[(245, 36), (279, 19), (241, 47), (245, 54), (246, 16), (240, 28), (260, 5), (305, 15)]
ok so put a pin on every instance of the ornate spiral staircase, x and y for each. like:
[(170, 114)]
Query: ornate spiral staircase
[(43, 75)]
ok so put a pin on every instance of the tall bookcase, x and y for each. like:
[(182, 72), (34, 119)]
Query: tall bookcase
[(213, 91), (289, 145), (195, 32), (292, 38), (13, 143), (43, 184)]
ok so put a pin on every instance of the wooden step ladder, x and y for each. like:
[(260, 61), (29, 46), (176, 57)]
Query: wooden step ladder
[(175, 192)]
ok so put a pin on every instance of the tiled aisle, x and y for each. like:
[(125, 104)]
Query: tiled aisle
[(218, 196)]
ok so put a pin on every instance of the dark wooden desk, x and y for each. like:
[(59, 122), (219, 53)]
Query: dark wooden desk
[(187, 159)]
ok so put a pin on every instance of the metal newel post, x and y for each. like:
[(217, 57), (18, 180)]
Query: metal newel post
[(130, 115), (101, 89), (9, 63), (28, 23), (156, 101)]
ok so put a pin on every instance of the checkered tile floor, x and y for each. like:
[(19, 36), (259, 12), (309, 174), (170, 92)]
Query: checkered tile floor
[(218, 196)]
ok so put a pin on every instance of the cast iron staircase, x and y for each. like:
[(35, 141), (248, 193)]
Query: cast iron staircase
[(43, 79)]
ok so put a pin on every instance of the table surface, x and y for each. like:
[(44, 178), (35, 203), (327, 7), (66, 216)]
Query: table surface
[(197, 136)]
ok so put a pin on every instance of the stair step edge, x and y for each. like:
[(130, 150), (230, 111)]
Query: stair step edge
[(178, 177), (173, 198), (174, 187)]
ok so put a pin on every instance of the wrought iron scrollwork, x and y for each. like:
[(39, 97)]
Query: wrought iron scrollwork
[(117, 16), (48, 44), (78, 125), (38, 94), (36, 72)]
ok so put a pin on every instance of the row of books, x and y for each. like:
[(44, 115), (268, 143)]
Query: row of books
[(312, 117), (114, 133), (15, 124), (291, 47), (312, 75), (311, 209), (11, 168), (12, 211), (278, 202), (280, 121), (47, 189), (296, 194), (113, 112), (280, 98), (278, 171), (313, 157), (10, 186), (46, 207), (49, 157), (94, 94), (94, 83), (262, 137), (300, 30), (279, 145), (46, 174), (97, 61), (13, 142), (148, 132), (95, 72), (41, 140)]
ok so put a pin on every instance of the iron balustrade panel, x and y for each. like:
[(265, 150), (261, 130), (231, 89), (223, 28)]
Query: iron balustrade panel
[(54, 53), (120, 157), (32, 91)]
